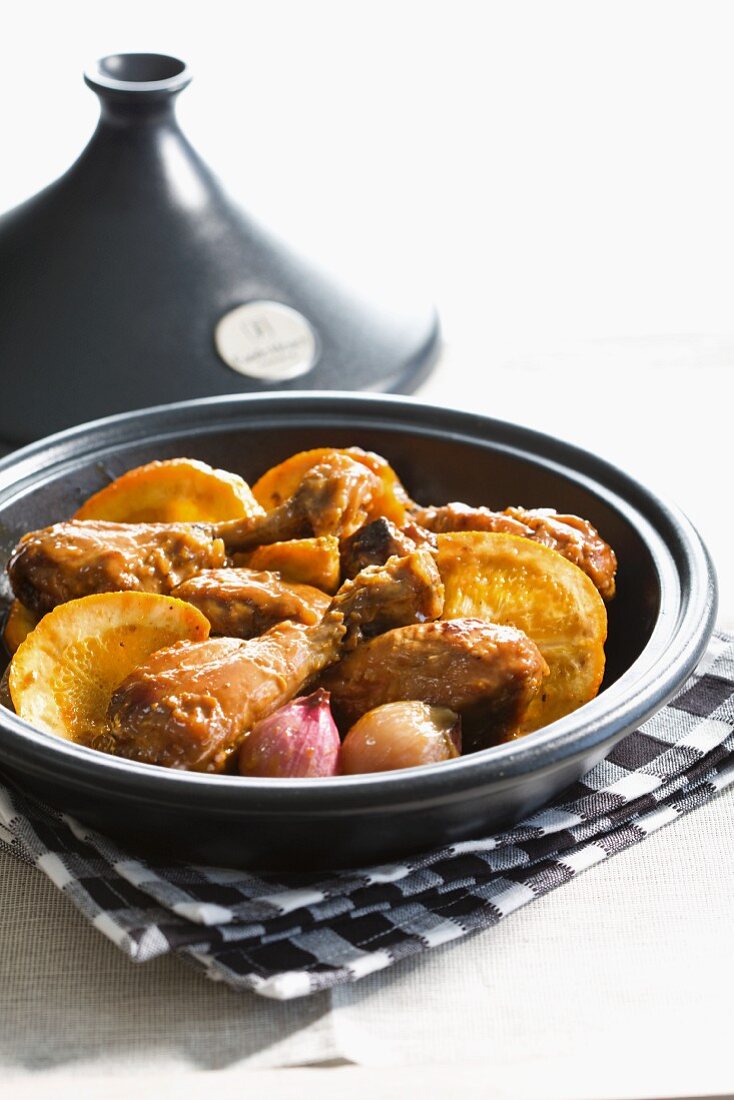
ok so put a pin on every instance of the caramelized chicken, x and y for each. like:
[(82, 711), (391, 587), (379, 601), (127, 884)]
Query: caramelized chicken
[(373, 544), (444, 518), (571, 536), (404, 590), (79, 558), (486, 673), (190, 706), (69, 560), (243, 603), (333, 498)]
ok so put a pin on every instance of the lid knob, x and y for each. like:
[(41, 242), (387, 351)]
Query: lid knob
[(137, 82)]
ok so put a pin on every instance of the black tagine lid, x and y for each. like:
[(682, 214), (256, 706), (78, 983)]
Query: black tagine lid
[(134, 280)]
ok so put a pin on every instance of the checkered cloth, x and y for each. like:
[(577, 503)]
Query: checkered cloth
[(289, 935)]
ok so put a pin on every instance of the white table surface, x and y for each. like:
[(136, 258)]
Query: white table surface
[(615, 985)]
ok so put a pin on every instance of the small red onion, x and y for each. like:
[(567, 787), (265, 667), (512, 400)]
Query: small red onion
[(298, 741)]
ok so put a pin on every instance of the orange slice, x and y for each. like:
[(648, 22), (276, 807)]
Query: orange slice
[(19, 622), (178, 490), (300, 561), (63, 675), (280, 482), (516, 582)]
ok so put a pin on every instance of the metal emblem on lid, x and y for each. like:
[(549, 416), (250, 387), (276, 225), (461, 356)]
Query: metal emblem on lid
[(266, 340)]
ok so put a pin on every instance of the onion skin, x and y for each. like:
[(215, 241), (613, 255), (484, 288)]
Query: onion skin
[(298, 741), (400, 735)]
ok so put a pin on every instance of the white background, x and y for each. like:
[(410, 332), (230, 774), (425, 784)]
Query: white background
[(557, 176)]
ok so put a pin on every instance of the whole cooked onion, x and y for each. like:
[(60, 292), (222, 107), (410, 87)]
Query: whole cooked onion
[(400, 735)]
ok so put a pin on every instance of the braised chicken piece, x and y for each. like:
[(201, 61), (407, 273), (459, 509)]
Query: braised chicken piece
[(486, 673), (334, 498), (81, 557), (404, 590), (373, 544), (379, 540), (571, 536), (190, 706), (243, 603), (444, 518), (280, 482), (69, 560)]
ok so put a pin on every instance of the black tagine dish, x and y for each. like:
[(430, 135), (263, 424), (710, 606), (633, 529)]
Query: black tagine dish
[(659, 624)]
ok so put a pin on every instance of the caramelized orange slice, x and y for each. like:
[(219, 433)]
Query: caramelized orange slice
[(177, 490), (516, 582), (301, 561), (62, 676), (19, 622), (280, 482)]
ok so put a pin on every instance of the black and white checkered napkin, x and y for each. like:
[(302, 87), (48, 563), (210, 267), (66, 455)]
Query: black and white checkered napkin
[(289, 935)]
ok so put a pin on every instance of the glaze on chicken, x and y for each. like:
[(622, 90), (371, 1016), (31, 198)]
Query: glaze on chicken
[(487, 674), (79, 558), (373, 544), (242, 603)]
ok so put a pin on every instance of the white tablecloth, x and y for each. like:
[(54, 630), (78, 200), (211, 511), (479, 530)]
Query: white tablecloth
[(617, 984)]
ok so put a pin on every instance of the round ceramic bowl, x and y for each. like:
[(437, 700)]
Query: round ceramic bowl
[(659, 624)]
